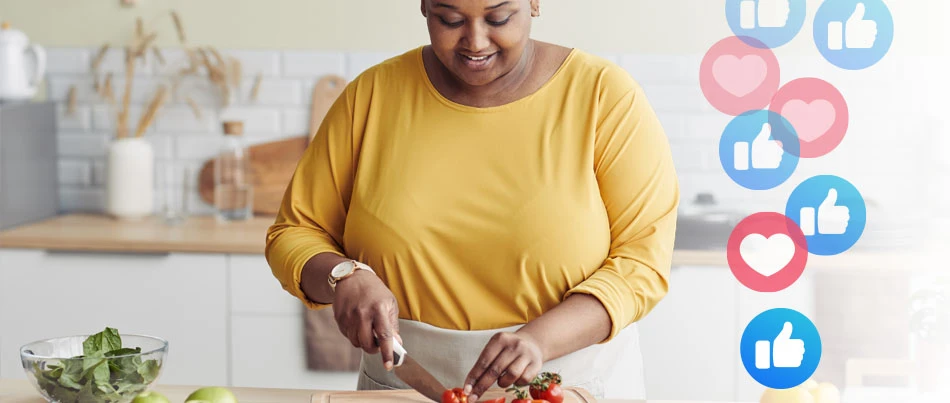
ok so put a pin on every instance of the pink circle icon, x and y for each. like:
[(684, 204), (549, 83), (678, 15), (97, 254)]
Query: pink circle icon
[(767, 252), (737, 77), (816, 110)]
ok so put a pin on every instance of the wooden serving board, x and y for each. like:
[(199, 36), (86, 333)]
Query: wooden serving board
[(571, 395)]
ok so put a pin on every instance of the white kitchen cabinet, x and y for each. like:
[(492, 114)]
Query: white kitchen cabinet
[(689, 343), (268, 347), (179, 296)]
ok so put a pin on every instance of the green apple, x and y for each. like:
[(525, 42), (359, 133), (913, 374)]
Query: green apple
[(150, 397), (790, 395), (826, 392), (211, 394)]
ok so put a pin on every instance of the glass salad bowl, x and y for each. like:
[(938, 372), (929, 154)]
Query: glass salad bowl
[(104, 367)]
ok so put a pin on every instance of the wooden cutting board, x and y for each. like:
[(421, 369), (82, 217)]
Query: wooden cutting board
[(273, 163), (571, 395)]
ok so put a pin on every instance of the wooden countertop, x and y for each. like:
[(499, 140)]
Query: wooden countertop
[(202, 234), (90, 232), (21, 391)]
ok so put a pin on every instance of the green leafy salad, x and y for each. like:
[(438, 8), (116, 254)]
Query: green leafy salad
[(105, 372)]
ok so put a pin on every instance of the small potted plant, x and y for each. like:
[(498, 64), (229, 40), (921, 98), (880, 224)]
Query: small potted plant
[(930, 327)]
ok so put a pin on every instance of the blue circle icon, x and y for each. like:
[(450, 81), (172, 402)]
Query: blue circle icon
[(853, 34), (830, 212), (771, 23), (780, 348), (759, 149)]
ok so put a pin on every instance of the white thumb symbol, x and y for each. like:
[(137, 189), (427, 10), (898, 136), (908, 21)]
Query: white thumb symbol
[(831, 199), (858, 14)]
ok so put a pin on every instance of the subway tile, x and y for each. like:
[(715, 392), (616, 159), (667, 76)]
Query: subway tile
[(689, 157), (99, 171), (266, 62), (706, 125), (162, 146), (67, 60), (83, 145), (676, 97), (274, 92), (104, 118), (75, 172), (310, 64), (79, 120), (180, 118), (114, 62), (176, 60), (257, 120), (296, 121), (357, 62), (73, 199), (197, 147), (662, 69), (59, 86)]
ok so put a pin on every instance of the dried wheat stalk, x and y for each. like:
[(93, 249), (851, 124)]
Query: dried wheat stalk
[(122, 124), (71, 101), (194, 107), (178, 27), (257, 86), (146, 120), (99, 56), (107, 92), (139, 28), (158, 55), (143, 45), (236, 73)]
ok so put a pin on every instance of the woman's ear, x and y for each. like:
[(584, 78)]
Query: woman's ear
[(423, 2), (535, 8)]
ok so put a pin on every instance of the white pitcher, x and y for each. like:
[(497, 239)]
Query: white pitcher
[(15, 82)]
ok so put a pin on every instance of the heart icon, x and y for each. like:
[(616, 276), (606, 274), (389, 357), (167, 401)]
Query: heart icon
[(767, 256), (810, 120), (739, 76)]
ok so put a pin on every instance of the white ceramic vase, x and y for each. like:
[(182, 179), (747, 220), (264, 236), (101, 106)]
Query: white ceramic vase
[(130, 178)]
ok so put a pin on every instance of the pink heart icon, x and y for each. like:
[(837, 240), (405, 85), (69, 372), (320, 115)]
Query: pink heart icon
[(810, 120), (739, 76)]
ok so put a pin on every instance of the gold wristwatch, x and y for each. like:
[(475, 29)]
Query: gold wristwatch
[(345, 269)]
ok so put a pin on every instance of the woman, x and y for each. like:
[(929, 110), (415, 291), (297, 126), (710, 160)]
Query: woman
[(514, 202)]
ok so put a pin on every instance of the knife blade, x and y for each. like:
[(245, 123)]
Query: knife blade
[(414, 375)]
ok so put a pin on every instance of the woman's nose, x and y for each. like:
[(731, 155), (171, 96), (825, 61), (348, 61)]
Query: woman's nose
[(477, 38)]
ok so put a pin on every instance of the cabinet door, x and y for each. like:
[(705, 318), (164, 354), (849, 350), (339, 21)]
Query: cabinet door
[(179, 297), (268, 346), (689, 342)]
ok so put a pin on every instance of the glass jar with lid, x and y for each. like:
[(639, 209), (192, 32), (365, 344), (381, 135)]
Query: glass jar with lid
[(233, 189)]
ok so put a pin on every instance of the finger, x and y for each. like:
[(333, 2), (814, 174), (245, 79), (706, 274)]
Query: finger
[(858, 13), (485, 359), (384, 334), (786, 332), (514, 372), (831, 199), (531, 372), (365, 335), (493, 372)]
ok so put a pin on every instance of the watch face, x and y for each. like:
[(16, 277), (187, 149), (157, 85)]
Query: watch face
[(342, 269)]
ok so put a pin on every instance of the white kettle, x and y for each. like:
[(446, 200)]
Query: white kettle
[(15, 82)]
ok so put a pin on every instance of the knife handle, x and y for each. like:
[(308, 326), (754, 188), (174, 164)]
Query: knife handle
[(399, 353)]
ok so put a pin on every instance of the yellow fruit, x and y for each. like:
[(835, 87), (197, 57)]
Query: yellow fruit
[(826, 393), (791, 395), (150, 397), (211, 394)]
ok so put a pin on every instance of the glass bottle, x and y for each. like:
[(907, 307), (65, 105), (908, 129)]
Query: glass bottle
[(233, 190)]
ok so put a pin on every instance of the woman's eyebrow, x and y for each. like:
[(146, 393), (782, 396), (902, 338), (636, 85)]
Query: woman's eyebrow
[(449, 6)]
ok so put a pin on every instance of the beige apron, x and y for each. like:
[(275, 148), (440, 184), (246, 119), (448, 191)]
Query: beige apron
[(450, 354)]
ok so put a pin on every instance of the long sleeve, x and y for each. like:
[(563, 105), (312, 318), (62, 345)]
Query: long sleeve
[(639, 187), (311, 218)]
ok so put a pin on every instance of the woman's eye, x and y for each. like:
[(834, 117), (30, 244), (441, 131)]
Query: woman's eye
[(454, 24), (497, 23)]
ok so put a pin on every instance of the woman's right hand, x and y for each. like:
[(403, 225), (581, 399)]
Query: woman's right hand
[(366, 311)]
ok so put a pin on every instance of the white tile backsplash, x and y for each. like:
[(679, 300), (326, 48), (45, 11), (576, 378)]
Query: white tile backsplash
[(889, 145), (114, 62)]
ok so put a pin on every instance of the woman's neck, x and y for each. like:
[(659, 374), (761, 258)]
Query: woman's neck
[(507, 88)]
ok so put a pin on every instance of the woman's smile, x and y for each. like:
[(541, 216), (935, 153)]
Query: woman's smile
[(477, 62)]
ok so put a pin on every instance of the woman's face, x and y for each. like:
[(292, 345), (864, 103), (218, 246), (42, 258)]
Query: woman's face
[(479, 40)]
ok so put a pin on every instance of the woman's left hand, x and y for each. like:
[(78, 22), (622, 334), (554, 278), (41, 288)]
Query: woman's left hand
[(508, 358)]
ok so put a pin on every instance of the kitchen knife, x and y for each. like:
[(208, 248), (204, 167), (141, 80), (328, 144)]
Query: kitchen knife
[(415, 375)]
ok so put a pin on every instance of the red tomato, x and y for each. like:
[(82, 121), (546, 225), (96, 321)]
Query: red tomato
[(552, 394), (454, 395)]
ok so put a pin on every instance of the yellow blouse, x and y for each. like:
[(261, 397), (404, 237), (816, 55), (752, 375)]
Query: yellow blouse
[(481, 218)]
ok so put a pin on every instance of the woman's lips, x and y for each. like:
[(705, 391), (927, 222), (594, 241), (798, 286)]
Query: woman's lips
[(477, 63)]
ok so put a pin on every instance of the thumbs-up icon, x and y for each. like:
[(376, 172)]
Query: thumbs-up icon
[(766, 153), (769, 13), (783, 352), (832, 219), (857, 32)]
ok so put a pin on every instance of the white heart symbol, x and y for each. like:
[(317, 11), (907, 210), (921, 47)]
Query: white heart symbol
[(810, 120), (767, 256), (740, 76)]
